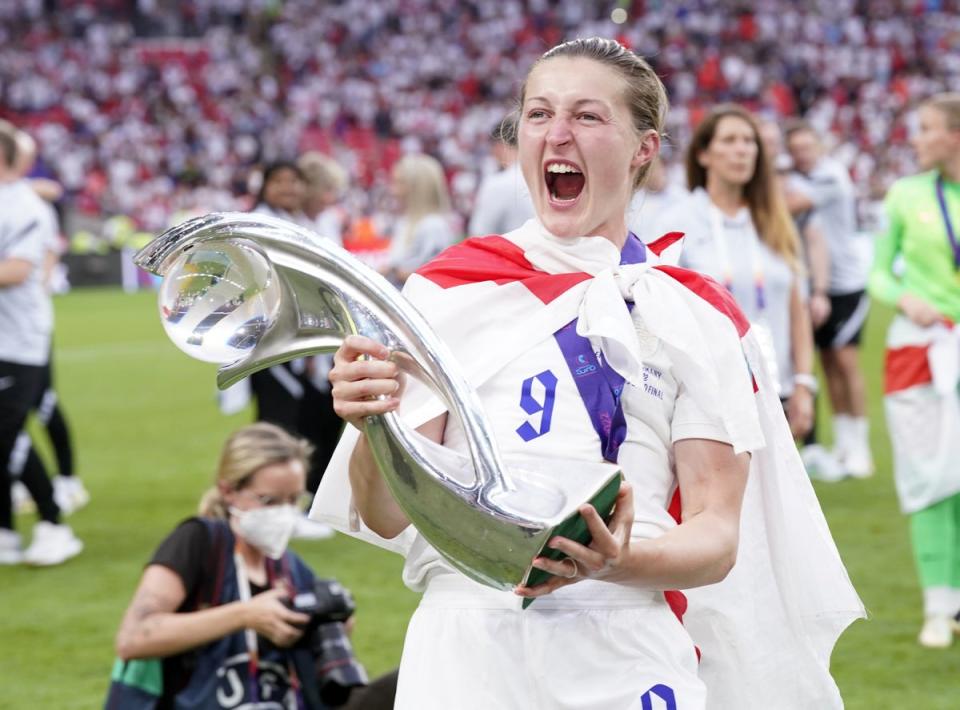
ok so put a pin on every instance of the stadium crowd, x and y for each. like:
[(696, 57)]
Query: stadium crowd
[(146, 108)]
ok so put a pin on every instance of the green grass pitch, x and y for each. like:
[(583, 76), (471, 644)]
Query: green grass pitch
[(147, 432)]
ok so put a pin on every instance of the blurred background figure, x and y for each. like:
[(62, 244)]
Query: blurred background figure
[(819, 461), (27, 231), (503, 201), (658, 194), (739, 232), (214, 614), (278, 391), (424, 225), (813, 242), (296, 394), (281, 193), (68, 490), (916, 270), (325, 183), (821, 187)]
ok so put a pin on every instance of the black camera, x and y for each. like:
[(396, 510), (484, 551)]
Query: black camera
[(327, 602)]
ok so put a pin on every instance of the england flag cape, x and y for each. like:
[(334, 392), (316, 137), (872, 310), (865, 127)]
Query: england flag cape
[(766, 632)]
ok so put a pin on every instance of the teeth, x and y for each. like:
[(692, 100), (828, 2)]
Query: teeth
[(561, 168)]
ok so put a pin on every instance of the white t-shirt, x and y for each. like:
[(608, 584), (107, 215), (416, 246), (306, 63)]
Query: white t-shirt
[(28, 230), (646, 208), (702, 253), (834, 197), (658, 413), (503, 203), (331, 224), (409, 250)]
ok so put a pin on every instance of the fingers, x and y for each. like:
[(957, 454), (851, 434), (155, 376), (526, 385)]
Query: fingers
[(551, 585), (621, 522), (355, 346), (284, 635), (363, 382), (566, 568), (606, 547)]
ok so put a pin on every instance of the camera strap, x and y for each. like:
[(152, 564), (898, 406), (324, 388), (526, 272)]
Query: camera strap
[(249, 635)]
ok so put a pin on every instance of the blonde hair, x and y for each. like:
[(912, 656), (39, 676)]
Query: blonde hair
[(947, 103), (8, 143), (322, 173), (768, 209), (245, 452), (645, 95), (426, 189)]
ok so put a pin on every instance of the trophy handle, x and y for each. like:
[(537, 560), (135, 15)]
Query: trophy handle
[(328, 294)]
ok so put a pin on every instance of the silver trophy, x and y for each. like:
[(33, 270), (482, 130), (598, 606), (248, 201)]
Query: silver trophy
[(250, 291)]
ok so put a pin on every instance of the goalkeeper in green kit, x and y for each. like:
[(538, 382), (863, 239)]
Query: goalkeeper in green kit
[(922, 400)]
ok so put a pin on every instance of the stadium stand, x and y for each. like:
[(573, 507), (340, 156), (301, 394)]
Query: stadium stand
[(150, 108)]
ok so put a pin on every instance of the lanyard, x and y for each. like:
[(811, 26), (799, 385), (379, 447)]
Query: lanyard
[(948, 223), (723, 254), (250, 636), (599, 385), (253, 650)]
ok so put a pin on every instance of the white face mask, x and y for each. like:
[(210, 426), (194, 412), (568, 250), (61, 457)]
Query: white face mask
[(268, 529)]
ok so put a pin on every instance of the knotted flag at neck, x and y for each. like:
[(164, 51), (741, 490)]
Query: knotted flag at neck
[(599, 385)]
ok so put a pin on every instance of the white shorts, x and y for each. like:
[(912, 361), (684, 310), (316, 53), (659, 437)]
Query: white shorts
[(471, 651)]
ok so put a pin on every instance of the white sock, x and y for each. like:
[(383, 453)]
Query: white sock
[(939, 601), (860, 431), (842, 425), (955, 600)]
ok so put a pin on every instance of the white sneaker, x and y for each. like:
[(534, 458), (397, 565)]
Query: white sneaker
[(858, 462), (10, 552), (69, 494), (821, 464), (51, 545), (22, 502), (937, 632), (307, 529)]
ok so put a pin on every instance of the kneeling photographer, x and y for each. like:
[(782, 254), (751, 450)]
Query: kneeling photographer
[(225, 616)]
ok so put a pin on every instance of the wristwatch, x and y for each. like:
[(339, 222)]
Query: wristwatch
[(805, 379)]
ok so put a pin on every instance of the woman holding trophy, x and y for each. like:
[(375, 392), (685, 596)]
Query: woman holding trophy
[(656, 370)]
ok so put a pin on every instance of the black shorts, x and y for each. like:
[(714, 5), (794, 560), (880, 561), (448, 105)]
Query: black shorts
[(848, 314)]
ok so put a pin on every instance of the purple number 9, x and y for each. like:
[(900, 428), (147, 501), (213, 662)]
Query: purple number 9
[(531, 405)]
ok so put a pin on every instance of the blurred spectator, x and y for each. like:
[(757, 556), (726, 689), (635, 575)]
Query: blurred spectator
[(656, 197), (503, 202), (281, 192), (739, 232), (296, 394), (27, 229), (823, 187), (132, 100), (279, 389), (325, 184), (425, 225), (819, 461), (68, 490)]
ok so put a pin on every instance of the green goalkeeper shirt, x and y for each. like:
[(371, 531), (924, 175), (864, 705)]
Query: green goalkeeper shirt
[(917, 232)]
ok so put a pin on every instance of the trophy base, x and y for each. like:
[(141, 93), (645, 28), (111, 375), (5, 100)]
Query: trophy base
[(574, 528)]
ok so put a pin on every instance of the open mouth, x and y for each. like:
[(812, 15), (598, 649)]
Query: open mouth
[(564, 181)]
